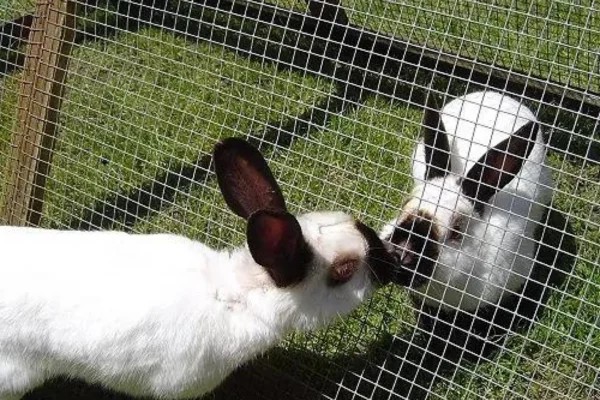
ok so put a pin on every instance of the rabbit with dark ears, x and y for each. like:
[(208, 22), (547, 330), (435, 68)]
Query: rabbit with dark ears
[(465, 236), (164, 316)]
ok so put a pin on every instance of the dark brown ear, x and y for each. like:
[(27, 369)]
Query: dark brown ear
[(276, 242), (437, 148), (245, 179), (499, 165), (379, 256)]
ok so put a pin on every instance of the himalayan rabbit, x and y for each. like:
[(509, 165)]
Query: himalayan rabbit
[(466, 232), (164, 316)]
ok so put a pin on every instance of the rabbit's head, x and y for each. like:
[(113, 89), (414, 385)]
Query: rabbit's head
[(439, 210), (328, 260)]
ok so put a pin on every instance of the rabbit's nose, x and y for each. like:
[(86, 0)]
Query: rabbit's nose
[(389, 247), (401, 275)]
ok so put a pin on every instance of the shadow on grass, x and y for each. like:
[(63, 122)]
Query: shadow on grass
[(394, 367), (288, 44), (256, 41), (125, 209)]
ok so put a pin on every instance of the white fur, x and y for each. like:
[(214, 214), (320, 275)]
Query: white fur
[(155, 315), (496, 255)]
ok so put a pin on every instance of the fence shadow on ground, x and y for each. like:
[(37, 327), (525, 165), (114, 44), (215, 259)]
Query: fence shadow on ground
[(125, 209), (287, 44), (276, 47)]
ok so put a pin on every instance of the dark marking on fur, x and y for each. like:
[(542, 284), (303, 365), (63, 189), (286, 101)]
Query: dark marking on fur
[(435, 139), (276, 242), (457, 228), (380, 258), (245, 179), (496, 168), (417, 242)]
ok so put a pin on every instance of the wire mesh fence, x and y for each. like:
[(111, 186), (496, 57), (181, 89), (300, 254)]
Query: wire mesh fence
[(334, 93)]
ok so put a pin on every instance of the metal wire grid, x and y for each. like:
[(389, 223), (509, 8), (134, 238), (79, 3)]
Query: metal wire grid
[(132, 154), (551, 34)]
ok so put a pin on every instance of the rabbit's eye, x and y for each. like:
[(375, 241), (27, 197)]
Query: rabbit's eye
[(456, 230)]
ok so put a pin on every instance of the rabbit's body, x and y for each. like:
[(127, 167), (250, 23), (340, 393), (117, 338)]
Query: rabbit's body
[(142, 314), (147, 314), (164, 316), (479, 121), (494, 259), (494, 255)]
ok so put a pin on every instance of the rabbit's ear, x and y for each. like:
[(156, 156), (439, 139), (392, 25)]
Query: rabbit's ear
[(276, 242), (245, 179), (437, 148), (499, 165)]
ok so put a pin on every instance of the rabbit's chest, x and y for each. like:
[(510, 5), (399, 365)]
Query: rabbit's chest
[(460, 279)]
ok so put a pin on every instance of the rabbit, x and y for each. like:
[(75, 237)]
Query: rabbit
[(481, 188), (164, 316)]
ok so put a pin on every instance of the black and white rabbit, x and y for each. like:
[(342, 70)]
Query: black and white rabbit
[(481, 189), (165, 316)]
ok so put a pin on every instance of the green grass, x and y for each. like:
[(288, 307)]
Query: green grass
[(169, 103), (140, 104), (10, 9), (551, 38)]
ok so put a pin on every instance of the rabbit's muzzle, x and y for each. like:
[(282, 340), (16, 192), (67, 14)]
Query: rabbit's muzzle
[(416, 249)]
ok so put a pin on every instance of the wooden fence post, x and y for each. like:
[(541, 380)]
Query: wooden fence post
[(40, 97)]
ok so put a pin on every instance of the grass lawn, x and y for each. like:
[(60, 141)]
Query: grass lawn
[(550, 38), (10, 9), (143, 107)]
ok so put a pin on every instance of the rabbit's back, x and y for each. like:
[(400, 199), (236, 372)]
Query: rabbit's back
[(499, 249), (476, 122), (75, 266), (105, 305), (479, 121)]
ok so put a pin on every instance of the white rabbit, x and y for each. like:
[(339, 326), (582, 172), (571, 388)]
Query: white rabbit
[(481, 187), (164, 316)]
